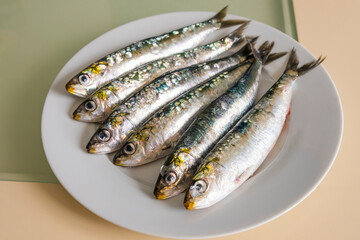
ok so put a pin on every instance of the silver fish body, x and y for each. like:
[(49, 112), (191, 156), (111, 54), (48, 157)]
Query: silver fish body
[(100, 105), (237, 156), (129, 115), (212, 124), (157, 138), (123, 60)]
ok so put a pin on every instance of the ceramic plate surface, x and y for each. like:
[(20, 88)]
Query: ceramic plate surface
[(124, 196)]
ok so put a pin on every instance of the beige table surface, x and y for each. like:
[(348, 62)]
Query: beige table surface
[(332, 211)]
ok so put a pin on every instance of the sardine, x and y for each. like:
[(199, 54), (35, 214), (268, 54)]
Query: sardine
[(123, 60), (100, 105), (236, 157), (159, 135), (129, 115), (212, 124), (157, 138)]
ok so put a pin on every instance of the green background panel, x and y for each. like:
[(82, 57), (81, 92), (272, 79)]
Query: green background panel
[(38, 37)]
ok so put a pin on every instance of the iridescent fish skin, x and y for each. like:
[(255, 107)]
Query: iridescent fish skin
[(99, 106), (121, 61), (237, 156), (207, 129), (159, 135), (129, 115)]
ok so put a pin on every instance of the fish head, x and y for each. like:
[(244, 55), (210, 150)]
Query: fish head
[(175, 176), (143, 147), (96, 108), (134, 152), (89, 79), (110, 135), (205, 188)]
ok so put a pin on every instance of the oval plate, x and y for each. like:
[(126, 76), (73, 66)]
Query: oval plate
[(124, 196)]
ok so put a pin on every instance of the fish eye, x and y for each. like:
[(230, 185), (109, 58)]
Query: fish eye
[(170, 178), (129, 148), (90, 106), (84, 79), (198, 187), (104, 135)]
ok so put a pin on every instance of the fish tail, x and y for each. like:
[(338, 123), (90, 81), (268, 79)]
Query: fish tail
[(308, 66), (252, 39), (240, 38), (219, 18), (240, 30), (274, 56), (233, 22), (263, 52), (245, 50), (293, 61)]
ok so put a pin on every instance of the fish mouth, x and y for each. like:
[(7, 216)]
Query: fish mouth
[(72, 88), (91, 150), (77, 117), (118, 163), (161, 196), (131, 161), (117, 160), (189, 202), (80, 114), (94, 150), (160, 190), (100, 148), (122, 163), (189, 205), (164, 192)]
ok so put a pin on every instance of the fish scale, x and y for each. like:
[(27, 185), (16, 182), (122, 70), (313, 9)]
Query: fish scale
[(152, 94), (138, 108), (237, 156), (208, 128), (160, 134), (121, 61)]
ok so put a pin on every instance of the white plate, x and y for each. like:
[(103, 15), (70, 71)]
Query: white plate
[(124, 196)]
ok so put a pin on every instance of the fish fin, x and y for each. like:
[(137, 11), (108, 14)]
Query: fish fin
[(263, 52), (274, 56), (252, 39), (246, 50), (240, 30), (308, 66), (237, 36), (293, 61), (219, 18), (238, 45), (230, 23), (265, 46)]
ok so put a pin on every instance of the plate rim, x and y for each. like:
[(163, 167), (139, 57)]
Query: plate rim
[(220, 234)]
